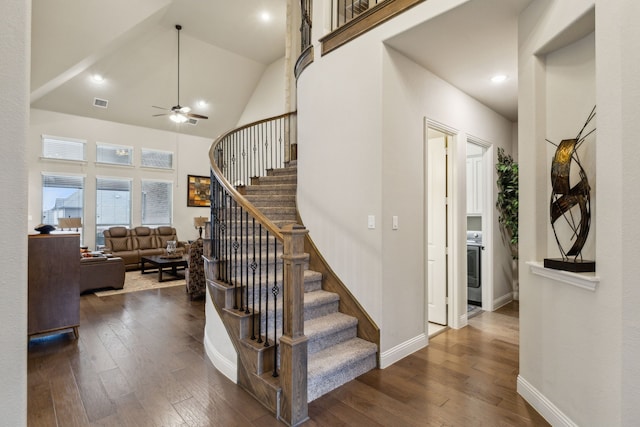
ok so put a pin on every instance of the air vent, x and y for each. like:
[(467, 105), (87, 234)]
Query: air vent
[(192, 121), (101, 103)]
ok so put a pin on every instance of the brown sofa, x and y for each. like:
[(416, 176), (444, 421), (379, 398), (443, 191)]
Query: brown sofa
[(101, 273), (131, 244)]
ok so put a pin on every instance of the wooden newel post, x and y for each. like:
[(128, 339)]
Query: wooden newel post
[(293, 343)]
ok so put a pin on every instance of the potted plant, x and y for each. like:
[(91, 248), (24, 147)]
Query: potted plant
[(507, 202), (507, 205)]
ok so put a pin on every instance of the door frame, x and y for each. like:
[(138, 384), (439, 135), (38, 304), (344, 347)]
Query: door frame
[(455, 317), (488, 219)]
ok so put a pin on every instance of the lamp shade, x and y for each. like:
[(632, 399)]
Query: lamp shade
[(70, 223), (200, 221)]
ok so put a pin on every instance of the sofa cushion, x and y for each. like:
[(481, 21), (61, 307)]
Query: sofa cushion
[(142, 231), (145, 242), (164, 234), (119, 244), (118, 231)]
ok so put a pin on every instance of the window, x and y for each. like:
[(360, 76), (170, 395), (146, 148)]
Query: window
[(58, 148), (156, 159), (156, 202), (114, 154), (62, 197), (113, 205)]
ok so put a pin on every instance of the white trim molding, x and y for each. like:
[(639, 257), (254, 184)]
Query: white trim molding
[(502, 301), (227, 367), (587, 281), (391, 356), (544, 406)]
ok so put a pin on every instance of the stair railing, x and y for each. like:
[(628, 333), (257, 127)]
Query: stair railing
[(346, 10), (246, 252), (353, 18)]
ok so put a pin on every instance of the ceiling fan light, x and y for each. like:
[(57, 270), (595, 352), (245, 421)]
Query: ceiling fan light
[(178, 118), (185, 110)]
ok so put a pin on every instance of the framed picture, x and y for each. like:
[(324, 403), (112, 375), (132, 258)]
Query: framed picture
[(198, 191)]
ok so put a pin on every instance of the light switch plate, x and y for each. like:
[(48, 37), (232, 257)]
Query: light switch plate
[(371, 222), (394, 222)]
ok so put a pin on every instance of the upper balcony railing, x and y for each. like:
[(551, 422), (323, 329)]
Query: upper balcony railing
[(346, 10), (352, 18)]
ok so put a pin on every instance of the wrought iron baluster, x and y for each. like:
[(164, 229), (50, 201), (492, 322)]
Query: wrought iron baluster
[(245, 259), (266, 294), (234, 227), (254, 265), (275, 290), (260, 284)]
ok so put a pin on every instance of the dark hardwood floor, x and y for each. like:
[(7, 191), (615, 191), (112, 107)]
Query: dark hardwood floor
[(140, 361)]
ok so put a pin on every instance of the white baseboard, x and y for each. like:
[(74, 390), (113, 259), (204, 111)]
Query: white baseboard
[(227, 367), (503, 300), (544, 406), (396, 353)]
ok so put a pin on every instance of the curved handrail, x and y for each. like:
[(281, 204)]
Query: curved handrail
[(239, 198)]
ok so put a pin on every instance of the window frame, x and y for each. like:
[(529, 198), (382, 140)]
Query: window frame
[(150, 150), (81, 208), (100, 225), (128, 148), (143, 202), (43, 143)]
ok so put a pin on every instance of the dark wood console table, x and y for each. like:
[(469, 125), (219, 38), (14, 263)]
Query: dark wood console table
[(163, 264), (54, 283)]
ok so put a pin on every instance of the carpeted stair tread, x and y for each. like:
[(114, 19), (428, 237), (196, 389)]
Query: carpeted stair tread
[(338, 364), (320, 327), (278, 179), (329, 330), (319, 297)]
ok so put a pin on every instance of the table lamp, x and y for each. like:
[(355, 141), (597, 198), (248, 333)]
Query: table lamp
[(70, 223), (199, 222)]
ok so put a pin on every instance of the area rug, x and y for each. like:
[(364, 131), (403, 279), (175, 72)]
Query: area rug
[(134, 282)]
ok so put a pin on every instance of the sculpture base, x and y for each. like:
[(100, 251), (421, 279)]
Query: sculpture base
[(577, 266)]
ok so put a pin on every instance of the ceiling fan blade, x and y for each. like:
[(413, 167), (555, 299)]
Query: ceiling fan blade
[(162, 108), (196, 116), (158, 115)]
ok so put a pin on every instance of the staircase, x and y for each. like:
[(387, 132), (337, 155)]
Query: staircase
[(335, 354), (298, 332)]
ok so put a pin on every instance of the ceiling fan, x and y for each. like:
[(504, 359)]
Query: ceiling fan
[(178, 113)]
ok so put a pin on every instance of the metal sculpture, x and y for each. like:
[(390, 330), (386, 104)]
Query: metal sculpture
[(565, 197)]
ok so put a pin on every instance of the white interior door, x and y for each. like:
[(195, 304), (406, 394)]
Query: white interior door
[(436, 227)]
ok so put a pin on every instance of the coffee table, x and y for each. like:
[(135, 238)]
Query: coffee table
[(163, 264)]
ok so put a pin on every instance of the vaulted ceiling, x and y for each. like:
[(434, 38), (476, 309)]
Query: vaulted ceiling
[(225, 46)]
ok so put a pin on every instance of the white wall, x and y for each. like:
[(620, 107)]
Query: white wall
[(579, 348), (617, 68), (411, 93), (190, 158), (268, 98), (361, 113), (15, 29)]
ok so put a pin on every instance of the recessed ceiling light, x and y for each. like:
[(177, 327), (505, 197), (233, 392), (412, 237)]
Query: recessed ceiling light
[(98, 78), (265, 16), (202, 103), (498, 78)]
